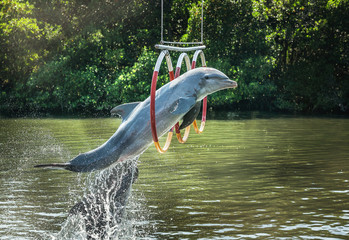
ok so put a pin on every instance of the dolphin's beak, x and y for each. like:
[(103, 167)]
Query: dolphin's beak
[(229, 83)]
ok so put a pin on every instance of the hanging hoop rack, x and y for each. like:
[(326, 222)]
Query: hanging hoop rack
[(189, 65), (200, 45)]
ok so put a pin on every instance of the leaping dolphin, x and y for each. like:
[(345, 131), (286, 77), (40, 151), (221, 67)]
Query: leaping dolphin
[(172, 103)]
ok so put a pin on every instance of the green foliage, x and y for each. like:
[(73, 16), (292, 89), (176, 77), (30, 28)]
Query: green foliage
[(79, 80), (24, 41), (254, 90), (87, 56), (133, 83), (309, 87)]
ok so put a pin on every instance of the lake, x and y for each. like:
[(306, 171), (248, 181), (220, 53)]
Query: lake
[(250, 177)]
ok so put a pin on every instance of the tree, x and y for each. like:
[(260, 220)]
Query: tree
[(308, 40)]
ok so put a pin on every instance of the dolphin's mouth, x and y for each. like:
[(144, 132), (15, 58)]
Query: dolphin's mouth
[(229, 83)]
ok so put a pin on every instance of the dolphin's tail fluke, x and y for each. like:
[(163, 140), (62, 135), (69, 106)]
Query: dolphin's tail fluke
[(65, 166)]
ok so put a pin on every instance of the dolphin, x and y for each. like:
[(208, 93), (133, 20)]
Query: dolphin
[(173, 102)]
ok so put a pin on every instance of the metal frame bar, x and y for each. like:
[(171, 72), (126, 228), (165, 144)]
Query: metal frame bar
[(179, 49), (182, 43)]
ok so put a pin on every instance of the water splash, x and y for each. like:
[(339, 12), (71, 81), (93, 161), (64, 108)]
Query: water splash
[(101, 213)]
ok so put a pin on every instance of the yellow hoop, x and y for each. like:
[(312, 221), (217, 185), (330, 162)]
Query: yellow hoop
[(197, 130), (167, 144), (185, 136)]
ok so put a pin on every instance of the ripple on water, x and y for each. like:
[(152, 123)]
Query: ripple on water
[(243, 179)]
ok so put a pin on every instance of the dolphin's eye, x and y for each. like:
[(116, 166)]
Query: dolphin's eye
[(207, 77)]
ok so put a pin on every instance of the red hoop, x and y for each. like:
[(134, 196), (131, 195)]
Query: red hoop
[(163, 54)]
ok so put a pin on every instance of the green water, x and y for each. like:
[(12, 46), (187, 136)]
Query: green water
[(257, 178)]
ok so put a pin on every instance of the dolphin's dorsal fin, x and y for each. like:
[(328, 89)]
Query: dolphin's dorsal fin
[(183, 105), (124, 110)]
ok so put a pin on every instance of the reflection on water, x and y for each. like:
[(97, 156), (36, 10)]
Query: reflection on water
[(271, 178)]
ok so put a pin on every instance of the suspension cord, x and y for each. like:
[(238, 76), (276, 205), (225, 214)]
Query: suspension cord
[(162, 21), (162, 26), (202, 21)]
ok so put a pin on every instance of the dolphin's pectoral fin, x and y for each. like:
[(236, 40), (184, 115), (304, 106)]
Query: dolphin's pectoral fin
[(183, 105), (124, 110), (191, 115)]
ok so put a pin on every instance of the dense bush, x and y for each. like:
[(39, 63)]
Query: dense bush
[(88, 56)]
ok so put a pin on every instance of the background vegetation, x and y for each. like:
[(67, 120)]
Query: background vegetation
[(59, 56)]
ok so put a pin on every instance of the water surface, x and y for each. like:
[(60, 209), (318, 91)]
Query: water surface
[(273, 178)]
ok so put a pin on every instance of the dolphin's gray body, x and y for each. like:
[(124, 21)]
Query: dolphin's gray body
[(173, 101)]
